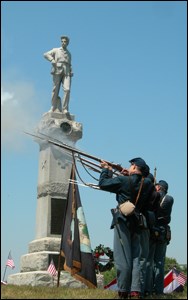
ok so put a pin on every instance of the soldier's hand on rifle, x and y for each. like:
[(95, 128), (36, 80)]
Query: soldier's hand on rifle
[(125, 172), (105, 165)]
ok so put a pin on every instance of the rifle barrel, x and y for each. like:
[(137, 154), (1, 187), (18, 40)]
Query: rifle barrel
[(88, 161), (155, 175), (90, 167), (75, 150)]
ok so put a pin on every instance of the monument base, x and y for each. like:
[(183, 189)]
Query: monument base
[(44, 278), (34, 266)]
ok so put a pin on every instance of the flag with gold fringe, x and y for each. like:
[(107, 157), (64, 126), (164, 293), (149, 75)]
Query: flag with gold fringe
[(75, 241)]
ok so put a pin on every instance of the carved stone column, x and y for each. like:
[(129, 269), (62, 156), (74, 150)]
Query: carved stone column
[(53, 181)]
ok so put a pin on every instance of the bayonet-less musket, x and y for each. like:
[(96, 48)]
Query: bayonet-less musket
[(73, 150), (155, 175)]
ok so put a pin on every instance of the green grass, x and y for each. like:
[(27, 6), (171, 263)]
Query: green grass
[(38, 292)]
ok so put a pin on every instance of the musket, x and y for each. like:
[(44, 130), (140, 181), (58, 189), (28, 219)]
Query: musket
[(73, 150), (90, 166), (155, 175), (86, 162)]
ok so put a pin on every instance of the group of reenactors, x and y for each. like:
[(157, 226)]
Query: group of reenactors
[(141, 228)]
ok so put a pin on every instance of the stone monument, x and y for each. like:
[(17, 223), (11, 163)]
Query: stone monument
[(53, 178), (53, 181)]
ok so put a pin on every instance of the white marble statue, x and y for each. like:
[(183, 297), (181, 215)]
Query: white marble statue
[(62, 73)]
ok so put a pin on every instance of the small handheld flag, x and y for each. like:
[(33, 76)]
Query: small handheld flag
[(10, 262), (51, 269)]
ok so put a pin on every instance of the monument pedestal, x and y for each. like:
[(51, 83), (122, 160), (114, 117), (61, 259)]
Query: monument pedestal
[(43, 278), (34, 265), (53, 182)]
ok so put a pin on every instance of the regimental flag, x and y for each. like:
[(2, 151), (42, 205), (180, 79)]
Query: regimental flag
[(173, 280), (179, 276), (75, 241), (10, 262), (51, 269)]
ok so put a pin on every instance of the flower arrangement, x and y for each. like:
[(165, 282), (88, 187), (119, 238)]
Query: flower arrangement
[(101, 251)]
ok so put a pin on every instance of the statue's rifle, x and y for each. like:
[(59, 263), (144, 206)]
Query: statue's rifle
[(73, 150)]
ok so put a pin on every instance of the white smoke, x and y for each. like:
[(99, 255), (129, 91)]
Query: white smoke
[(18, 114)]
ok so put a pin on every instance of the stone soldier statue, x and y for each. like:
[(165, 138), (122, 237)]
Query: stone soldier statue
[(62, 73)]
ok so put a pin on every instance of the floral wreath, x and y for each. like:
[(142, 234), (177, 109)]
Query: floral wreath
[(100, 251)]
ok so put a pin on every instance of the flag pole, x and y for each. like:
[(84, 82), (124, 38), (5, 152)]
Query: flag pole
[(59, 260), (4, 273), (58, 276), (6, 267)]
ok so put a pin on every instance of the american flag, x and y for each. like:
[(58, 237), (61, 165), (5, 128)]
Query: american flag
[(179, 276), (10, 262), (52, 269)]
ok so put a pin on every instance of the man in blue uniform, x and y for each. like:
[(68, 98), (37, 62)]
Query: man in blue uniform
[(159, 239), (132, 187), (149, 212)]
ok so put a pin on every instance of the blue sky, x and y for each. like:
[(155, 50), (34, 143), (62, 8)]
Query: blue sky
[(129, 91)]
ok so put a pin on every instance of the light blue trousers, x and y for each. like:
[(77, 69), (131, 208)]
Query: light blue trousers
[(126, 257), (155, 267), (144, 252)]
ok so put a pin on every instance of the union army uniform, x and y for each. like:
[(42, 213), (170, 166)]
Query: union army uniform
[(159, 239), (148, 210), (126, 228)]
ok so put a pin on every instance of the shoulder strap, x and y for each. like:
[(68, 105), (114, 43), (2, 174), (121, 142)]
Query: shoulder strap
[(162, 200), (141, 185), (140, 188)]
